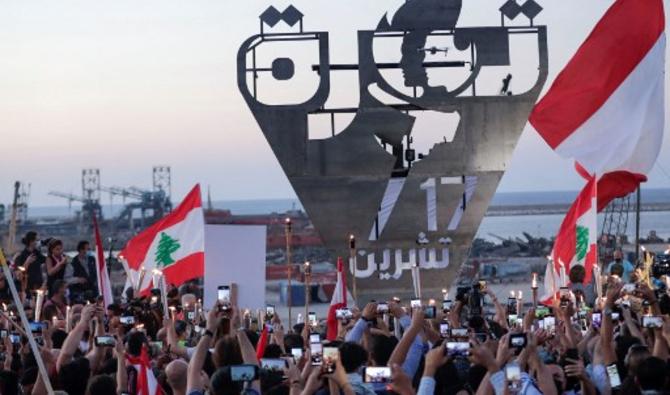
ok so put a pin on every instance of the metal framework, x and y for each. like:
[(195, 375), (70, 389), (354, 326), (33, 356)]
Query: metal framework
[(405, 210)]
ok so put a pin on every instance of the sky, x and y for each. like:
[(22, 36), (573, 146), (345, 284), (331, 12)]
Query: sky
[(123, 85)]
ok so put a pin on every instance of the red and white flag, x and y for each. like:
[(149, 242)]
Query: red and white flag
[(146, 384), (339, 301), (576, 241), (606, 108), (175, 245), (104, 286), (606, 111)]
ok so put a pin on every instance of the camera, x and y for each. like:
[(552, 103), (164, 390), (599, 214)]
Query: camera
[(661, 266)]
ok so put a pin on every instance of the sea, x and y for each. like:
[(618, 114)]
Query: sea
[(492, 228)]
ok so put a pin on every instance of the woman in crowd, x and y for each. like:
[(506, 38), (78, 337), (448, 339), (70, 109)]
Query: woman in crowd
[(56, 262)]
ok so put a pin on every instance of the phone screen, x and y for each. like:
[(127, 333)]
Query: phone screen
[(459, 332), (512, 372), (273, 364), (224, 294), (444, 329), (550, 324), (330, 357), (311, 316), (343, 314), (596, 320), (127, 320), (613, 374), (415, 303), (297, 353), (105, 341), (36, 327), (652, 321), (314, 338), (270, 311), (446, 305), (316, 350), (458, 349), (429, 312), (243, 373), (382, 307), (377, 374)]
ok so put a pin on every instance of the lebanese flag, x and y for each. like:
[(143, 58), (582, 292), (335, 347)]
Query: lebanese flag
[(339, 301), (606, 108), (576, 242), (104, 286), (146, 381), (175, 245)]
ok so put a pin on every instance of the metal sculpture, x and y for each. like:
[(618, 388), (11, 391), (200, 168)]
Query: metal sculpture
[(409, 213)]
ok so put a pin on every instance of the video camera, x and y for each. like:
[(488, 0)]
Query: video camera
[(661, 266), (471, 296)]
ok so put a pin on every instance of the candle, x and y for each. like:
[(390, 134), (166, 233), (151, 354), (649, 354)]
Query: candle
[(54, 320), (141, 280), (596, 276), (533, 282), (68, 319), (564, 281), (172, 312), (38, 304), (444, 294), (519, 295), (4, 307), (512, 294)]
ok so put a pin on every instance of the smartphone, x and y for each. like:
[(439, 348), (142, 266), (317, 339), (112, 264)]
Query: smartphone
[(541, 312), (3, 333), (652, 321), (330, 357), (444, 330), (314, 338), (105, 341), (459, 332), (513, 376), (616, 316), (269, 312), (517, 340), (36, 327), (512, 306), (243, 373), (224, 294), (597, 320), (297, 353), (345, 314), (458, 349), (429, 312), (564, 293), (15, 338), (550, 324), (157, 347), (311, 317), (415, 303), (446, 305), (382, 308), (629, 288), (316, 351), (190, 315), (377, 375), (274, 364), (39, 340), (613, 374), (127, 320)]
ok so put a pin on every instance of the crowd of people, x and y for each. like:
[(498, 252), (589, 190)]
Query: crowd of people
[(477, 344)]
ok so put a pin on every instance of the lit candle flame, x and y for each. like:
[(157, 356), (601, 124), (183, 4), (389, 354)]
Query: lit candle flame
[(512, 294), (520, 295), (534, 281)]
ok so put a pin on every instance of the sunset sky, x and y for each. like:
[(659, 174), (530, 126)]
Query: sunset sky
[(123, 85)]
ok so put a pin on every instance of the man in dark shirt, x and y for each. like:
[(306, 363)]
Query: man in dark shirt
[(81, 274), (31, 259)]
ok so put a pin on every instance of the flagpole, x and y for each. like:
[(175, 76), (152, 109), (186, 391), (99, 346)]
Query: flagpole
[(289, 270), (26, 326), (637, 224), (352, 258)]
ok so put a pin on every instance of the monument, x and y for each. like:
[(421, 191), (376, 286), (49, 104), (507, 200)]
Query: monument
[(413, 215)]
